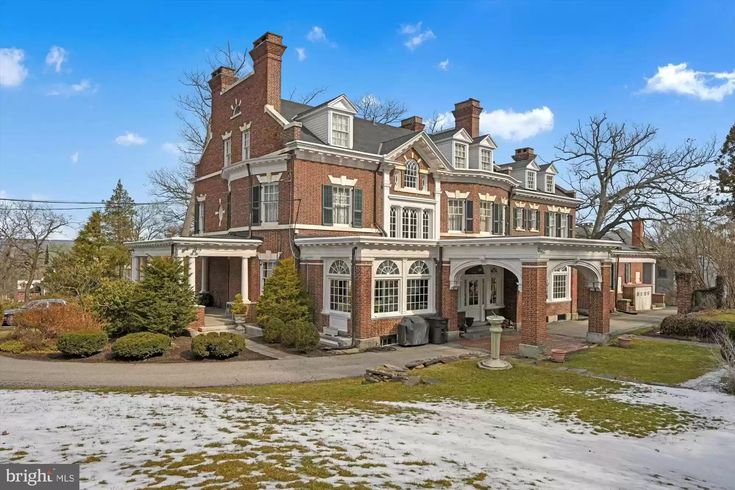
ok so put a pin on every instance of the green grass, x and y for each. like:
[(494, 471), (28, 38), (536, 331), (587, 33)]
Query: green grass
[(720, 315), (525, 388), (649, 361)]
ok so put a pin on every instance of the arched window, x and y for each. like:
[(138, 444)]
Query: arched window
[(410, 223), (393, 223), (338, 277), (387, 288), (417, 286), (412, 175)]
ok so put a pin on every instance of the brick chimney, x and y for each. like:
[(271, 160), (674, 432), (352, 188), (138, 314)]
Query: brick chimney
[(523, 154), (467, 116), (414, 123), (222, 77), (636, 239), (267, 54)]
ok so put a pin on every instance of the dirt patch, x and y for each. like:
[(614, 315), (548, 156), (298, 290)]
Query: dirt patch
[(180, 352)]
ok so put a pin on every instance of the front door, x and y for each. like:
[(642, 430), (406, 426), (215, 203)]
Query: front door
[(474, 294)]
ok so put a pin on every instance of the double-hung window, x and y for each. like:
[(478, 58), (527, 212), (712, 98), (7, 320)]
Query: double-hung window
[(417, 287), (266, 270), (340, 130), (338, 278), (228, 151), (486, 216), (200, 214), (341, 203), (558, 225), (393, 222), (486, 159), (426, 224), (411, 178), (246, 144), (456, 214), (387, 288), (550, 184), (559, 284), (269, 205), (499, 211), (410, 223), (341, 206), (531, 179), (460, 155)]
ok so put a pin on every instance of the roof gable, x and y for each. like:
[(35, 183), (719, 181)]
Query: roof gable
[(424, 146), (485, 141)]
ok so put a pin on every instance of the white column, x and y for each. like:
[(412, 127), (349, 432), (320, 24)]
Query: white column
[(205, 273), (244, 280), (193, 273), (135, 272)]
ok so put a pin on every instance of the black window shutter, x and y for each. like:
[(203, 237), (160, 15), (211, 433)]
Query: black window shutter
[(570, 222), (255, 203), (496, 219), (327, 218), (196, 217), (524, 214), (469, 216), (559, 224), (357, 208), (229, 210), (547, 228)]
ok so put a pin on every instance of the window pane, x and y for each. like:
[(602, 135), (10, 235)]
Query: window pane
[(269, 203), (339, 295), (411, 178), (486, 216), (393, 224), (410, 223), (486, 159), (341, 205), (460, 155), (386, 296), (340, 130), (417, 294), (456, 214), (426, 224)]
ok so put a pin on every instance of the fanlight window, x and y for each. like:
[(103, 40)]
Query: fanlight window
[(419, 268), (339, 268), (387, 268)]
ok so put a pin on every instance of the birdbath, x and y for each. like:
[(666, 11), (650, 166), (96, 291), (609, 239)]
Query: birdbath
[(494, 362)]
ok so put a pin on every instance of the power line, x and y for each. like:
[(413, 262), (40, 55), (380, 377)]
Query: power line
[(100, 203)]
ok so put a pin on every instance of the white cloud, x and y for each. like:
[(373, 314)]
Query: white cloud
[(74, 157), (70, 90), (507, 124), (56, 57), (443, 65), (130, 139), (302, 53), (416, 35), (703, 85), (12, 71), (171, 148), (317, 35)]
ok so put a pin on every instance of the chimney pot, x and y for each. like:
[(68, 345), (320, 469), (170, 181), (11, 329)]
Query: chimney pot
[(526, 153), (467, 116), (414, 123), (637, 234), (222, 77)]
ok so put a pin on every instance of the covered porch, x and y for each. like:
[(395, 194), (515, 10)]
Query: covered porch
[(219, 266)]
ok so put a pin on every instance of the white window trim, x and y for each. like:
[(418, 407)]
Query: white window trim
[(568, 296), (262, 271), (489, 152), (464, 216), (550, 183), (499, 277), (350, 212), (227, 158), (531, 173), (466, 147), (245, 148), (349, 129), (403, 267), (327, 299), (263, 201)]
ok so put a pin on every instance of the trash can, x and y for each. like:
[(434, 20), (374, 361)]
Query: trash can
[(438, 330), (413, 330)]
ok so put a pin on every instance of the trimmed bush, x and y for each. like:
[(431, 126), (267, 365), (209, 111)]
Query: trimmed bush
[(12, 346), (692, 325), (217, 345), (82, 344), (273, 329), (284, 296), (300, 335), (141, 345)]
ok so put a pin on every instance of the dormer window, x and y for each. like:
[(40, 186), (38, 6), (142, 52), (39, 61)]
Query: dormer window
[(411, 178), (486, 159), (530, 179), (340, 130), (460, 155), (550, 184)]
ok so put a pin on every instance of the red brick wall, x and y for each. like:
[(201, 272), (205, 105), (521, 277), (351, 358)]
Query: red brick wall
[(534, 304), (449, 302), (511, 297), (684, 290), (600, 304)]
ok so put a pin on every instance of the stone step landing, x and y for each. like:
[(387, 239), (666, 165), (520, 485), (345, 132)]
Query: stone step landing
[(335, 341)]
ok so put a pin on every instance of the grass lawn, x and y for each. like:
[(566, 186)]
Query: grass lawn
[(720, 315), (649, 361)]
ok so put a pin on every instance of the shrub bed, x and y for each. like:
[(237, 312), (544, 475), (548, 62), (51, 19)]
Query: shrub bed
[(141, 345), (300, 335), (273, 329), (56, 320), (692, 325), (12, 346), (82, 344), (217, 345)]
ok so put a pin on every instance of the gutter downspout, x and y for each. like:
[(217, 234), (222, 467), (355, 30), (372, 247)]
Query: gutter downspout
[(250, 218), (353, 289), (440, 282), (375, 200)]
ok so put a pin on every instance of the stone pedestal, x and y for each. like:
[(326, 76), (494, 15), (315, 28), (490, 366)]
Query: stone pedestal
[(496, 330)]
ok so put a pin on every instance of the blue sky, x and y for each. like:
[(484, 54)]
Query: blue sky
[(537, 67)]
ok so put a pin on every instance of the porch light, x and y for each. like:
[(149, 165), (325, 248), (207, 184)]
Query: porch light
[(596, 286)]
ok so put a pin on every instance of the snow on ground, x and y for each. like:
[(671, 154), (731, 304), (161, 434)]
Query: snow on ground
[(123, 436)]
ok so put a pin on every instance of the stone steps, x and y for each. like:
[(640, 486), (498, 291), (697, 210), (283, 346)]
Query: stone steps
[(335, 341)]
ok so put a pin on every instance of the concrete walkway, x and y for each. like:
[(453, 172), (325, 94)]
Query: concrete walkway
[(26, 373), (620, 323)]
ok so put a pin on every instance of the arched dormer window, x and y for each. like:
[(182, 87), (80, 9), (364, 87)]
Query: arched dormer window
[(412, 175)]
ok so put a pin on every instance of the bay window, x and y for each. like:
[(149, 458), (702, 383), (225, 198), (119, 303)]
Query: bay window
[(402, 287)]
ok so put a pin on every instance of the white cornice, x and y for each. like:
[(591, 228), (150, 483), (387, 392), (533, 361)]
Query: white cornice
[(272, 112)]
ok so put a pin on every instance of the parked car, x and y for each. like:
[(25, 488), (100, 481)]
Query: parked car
[(31, 305)]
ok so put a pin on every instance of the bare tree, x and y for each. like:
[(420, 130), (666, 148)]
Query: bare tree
[(620, 174), (307, 97), (26, 229), (173, 184), (372, 108), (437, 122)]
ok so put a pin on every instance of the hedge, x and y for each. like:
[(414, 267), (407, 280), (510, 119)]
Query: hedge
[(692, 325), (141, 345), (217, 345), (82, 344), (300, 335), (273, 329)]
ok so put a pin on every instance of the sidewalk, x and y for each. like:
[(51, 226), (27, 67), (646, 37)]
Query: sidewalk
[(620, 323), (69, 374)]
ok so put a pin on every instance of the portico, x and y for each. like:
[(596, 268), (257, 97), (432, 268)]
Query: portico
[(201, 258)]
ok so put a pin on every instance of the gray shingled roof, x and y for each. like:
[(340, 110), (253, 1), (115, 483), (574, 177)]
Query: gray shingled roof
[(368, 135)]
